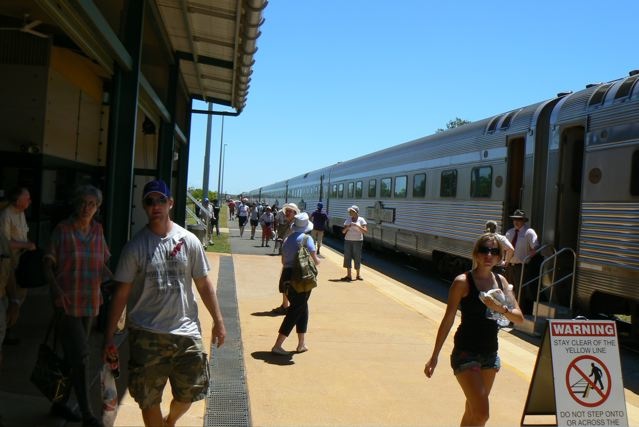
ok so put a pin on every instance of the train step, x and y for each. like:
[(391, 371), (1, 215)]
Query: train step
[(545, 311), (552, 311)]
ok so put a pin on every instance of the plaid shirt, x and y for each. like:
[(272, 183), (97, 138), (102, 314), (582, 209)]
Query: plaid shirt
[(80, 266)]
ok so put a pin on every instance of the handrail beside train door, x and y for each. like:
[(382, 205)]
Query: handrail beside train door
[(553, 258), (523, 267)]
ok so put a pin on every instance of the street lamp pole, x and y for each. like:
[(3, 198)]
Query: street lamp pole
[(207, 155), (222, 169), (219, 171)]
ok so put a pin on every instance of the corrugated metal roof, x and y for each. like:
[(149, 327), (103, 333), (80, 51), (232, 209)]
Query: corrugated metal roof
[(215, 42)]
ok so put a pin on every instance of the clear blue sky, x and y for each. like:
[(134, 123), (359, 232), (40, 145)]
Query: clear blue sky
[(336, 79)]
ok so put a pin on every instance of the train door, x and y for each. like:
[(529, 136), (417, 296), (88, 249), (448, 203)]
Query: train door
[(571, 156), (515, 178)]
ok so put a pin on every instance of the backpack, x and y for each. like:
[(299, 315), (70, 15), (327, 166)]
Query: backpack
[(304, 276)]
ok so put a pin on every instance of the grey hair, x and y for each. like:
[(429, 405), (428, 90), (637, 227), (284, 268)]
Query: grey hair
[(491, 226), (86, 190)]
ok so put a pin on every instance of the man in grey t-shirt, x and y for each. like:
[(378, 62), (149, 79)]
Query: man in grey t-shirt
[(154, 276)]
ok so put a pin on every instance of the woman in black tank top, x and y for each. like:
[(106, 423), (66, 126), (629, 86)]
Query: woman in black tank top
[(474, 358)]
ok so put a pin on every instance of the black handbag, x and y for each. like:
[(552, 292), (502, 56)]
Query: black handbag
[(50, 374)]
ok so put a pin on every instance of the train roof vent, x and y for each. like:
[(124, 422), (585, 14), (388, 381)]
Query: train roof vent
[(599, 95), (626, 87), (506, 122), (493, 124)]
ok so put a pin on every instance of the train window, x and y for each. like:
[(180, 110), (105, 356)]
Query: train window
[(419, 185), (340, 191), (400, 186), (448, 185), (481, 181), (385, 188), (351, 190), (359, 185), (634, 174), (626, 86), (372, 188), (334, 191), (506, 122), (493, 125), (599, 95)]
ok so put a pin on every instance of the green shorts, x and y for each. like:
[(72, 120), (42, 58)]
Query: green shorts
[(157, 357)]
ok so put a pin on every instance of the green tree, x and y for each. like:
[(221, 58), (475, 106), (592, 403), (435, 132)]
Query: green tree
[(453, 124), (197, 193)]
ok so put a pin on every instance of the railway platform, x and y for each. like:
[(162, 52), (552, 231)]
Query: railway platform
[(368, 342)]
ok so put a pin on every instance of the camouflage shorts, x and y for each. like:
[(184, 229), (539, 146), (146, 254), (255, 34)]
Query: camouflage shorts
[(158, 357)]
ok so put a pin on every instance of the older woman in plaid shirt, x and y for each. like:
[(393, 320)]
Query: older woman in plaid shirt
[(76, 267)]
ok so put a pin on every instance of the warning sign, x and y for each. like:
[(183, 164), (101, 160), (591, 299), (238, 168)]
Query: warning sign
[(587, 373)]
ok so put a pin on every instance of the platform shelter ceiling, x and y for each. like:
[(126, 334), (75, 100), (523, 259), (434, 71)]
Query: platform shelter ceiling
[(214, 41)]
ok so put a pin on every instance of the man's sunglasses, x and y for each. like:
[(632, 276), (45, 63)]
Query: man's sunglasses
[(486, 250), (150, 201)]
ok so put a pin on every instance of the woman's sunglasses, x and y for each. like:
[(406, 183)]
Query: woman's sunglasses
[(150, 201), (486, 250)]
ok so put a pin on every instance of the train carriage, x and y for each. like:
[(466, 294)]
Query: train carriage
[(572, 162)]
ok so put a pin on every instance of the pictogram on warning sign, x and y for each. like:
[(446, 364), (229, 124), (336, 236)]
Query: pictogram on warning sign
[(588, 381)]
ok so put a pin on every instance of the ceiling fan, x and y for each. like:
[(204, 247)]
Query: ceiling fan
[(28, 27)]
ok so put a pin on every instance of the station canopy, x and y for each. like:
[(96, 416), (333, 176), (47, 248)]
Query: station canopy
[(214, 41)]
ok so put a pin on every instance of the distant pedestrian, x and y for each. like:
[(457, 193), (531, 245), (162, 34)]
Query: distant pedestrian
[(254, 218), (155, 277), (75, 267), (474, 358), (266, 222), (215, 221), (354, 229), (320, 220), (297, 314), (491, 227), (231, 205), (524, 240), (206, 215), (242, 214)]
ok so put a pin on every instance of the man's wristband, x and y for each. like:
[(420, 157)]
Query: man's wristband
[(507, 310)]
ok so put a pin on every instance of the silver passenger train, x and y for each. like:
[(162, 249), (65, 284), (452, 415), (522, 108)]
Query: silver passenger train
[(571, 162)]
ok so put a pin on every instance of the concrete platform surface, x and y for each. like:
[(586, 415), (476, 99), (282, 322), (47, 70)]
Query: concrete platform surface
[(368, 342)]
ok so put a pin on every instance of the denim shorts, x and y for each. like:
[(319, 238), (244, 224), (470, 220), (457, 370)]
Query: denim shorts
[(464, 360)]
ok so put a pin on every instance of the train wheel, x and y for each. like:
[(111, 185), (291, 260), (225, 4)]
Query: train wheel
[(458, 266), (444, 266)]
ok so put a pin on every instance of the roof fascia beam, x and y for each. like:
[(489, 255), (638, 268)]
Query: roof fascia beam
[(206, 60)]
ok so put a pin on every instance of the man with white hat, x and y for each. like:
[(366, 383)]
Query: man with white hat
[(524, 240)]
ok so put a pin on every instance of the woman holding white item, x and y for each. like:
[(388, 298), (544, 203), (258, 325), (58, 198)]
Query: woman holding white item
[(474, 358)]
